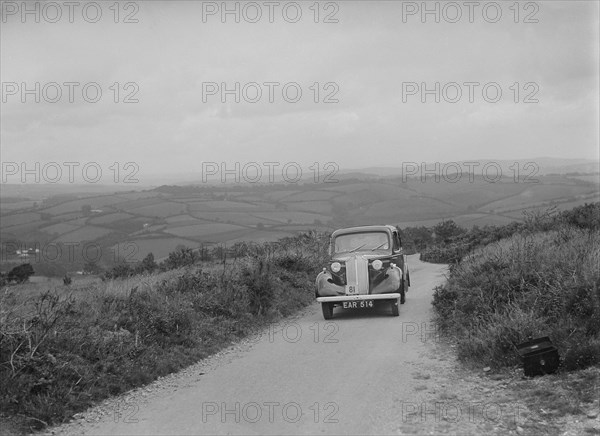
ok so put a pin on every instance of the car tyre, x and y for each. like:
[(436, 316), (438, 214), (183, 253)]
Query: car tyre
[(403, 292), (327, 309), (395, 307)]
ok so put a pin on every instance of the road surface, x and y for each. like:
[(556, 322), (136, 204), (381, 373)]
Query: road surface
[(359, 373)]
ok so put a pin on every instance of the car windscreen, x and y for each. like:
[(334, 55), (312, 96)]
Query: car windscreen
[(361, 241)]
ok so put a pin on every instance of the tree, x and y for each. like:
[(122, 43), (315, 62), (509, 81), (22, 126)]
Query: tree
[(447, 229), (21, 273), (148, 264), (182, 257), (121, 270), (91, 268), (418, 237)]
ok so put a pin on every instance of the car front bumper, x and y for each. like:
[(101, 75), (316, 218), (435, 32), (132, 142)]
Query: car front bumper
[(341, 298), (325, 287)]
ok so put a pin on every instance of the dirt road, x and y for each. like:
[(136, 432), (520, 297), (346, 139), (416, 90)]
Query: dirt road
[(360, 373)]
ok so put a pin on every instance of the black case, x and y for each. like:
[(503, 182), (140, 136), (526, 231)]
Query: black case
[(539, 356)]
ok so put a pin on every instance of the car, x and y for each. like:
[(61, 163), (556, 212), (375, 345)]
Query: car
[(367, 267)]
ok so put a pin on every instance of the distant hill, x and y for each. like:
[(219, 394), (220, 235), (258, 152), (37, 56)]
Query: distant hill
[(160, 219), (545, 165), (508, 167)]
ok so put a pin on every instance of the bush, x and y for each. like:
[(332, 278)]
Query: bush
[(182, 257), (531, 284), (67, 353), (584, 217), (20, 274)]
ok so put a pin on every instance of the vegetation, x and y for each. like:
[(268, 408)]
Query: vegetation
[(449, 243), (72, 346), (542, 279), (62, 351), (19, 274), (74, 228)]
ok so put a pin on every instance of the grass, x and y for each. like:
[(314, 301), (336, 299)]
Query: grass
[(541, 278), (541, 281), (557, 401)]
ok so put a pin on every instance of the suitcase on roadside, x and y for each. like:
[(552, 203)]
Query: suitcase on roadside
[(539, 356)]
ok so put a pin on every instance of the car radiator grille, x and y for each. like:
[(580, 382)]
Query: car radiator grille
[(357, 276)]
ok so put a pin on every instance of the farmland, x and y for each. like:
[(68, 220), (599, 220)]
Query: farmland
[(157, 220)]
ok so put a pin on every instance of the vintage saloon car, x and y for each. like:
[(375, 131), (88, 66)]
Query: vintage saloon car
[(367, 267)]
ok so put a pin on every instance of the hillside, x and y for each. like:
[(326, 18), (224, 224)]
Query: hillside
[(129, 225)]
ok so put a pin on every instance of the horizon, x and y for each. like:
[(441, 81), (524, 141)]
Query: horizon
[(552, 165)]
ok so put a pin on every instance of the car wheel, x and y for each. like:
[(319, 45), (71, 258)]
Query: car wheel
[(403, 292), (327, 310), (395, 309)]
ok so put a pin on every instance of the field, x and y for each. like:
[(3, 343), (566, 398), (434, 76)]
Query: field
[(163, 209), (111, 217), (60, 228), (240, 218), (76, 205), (16, 205), (85, 233), (138, 248), (320, 207), (20, 218), (160, 219), (536, 195), (203, 230)]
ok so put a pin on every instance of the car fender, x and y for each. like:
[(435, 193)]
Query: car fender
[(326, 287), (391, 283)]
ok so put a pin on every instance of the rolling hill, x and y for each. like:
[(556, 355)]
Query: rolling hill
[(161, 218)]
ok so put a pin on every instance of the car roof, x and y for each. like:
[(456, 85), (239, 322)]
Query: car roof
[(363, 229)]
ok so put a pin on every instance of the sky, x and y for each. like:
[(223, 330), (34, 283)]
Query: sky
[(511, 80)]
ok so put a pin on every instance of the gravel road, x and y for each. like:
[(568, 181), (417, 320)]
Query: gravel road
[(360, 373)]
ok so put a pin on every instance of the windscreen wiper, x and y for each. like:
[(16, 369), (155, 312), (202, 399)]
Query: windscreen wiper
[(360, 246)]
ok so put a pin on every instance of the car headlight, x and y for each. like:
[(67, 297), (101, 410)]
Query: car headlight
[(377, 264), (336, 267)]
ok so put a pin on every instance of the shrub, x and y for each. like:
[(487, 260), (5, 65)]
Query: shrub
[(20, 274), (184, 256), (256, 277), (584, 217), (542, 283), (65, 353)]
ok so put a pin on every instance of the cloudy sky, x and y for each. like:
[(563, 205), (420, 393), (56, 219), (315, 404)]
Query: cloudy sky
[(362, 70)]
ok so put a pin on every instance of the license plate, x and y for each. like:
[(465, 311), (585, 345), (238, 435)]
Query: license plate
[(359, 304)]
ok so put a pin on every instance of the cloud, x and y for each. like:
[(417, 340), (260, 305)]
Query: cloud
[(366, 57)]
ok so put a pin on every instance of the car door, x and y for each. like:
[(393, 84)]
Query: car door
[(397, 252)]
